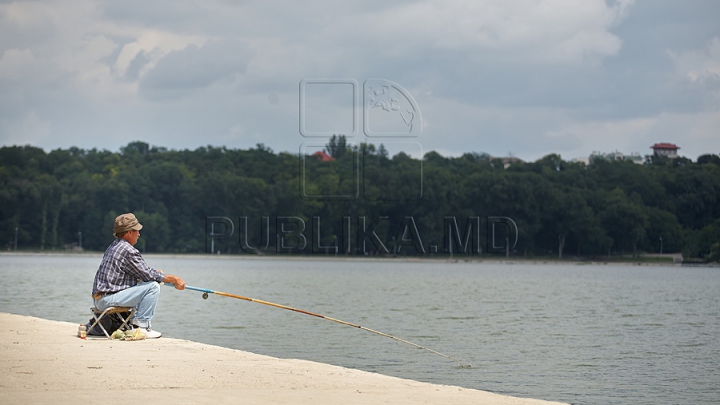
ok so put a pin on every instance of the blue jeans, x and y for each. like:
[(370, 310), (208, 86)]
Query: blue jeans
[(144, 297)]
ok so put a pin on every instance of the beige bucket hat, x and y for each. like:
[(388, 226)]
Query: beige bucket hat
[(126, 222)]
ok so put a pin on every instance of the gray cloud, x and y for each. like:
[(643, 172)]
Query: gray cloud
[(528, 77), (193, 67)]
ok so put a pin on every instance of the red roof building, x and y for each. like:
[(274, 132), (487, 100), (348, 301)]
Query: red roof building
[(323, 156), (665, 149)]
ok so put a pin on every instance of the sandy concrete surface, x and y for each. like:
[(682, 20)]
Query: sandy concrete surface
[(43, 362)]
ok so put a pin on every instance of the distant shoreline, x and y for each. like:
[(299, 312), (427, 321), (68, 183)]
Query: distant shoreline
[(649, 260)]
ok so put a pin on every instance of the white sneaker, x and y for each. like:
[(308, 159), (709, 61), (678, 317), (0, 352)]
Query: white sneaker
[(149, 333)]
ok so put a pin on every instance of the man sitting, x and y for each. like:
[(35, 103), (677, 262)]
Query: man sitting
[(125, 280)]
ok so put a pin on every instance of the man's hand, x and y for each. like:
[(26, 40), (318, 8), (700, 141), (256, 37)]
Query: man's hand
[(179, 284), (174, 280)]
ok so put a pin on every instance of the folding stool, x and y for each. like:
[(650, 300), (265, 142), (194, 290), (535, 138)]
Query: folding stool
[(98, 315)]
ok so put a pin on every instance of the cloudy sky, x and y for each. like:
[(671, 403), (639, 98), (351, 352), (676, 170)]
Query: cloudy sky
[(519, 77)]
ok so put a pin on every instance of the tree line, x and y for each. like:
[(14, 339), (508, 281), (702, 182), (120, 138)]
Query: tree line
[(49, 201)]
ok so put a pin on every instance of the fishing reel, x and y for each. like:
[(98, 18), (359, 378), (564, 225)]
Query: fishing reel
[(205, 296)]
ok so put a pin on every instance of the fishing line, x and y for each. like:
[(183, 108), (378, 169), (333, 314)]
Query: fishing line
[(205, 292)]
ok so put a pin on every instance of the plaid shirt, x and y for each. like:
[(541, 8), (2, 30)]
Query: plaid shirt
[(122, 267)]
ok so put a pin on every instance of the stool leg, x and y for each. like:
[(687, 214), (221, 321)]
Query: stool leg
[(97, 322), (126, 320)]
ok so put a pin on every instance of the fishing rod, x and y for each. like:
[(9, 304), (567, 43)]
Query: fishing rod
[(206, 291)]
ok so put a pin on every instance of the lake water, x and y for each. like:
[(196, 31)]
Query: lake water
[(582, 334)]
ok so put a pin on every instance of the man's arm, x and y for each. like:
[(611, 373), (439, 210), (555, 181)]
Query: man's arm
[(136, 266)]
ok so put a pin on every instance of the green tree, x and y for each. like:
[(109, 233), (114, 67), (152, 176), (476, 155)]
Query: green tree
[(337, 146), (625, 220)]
